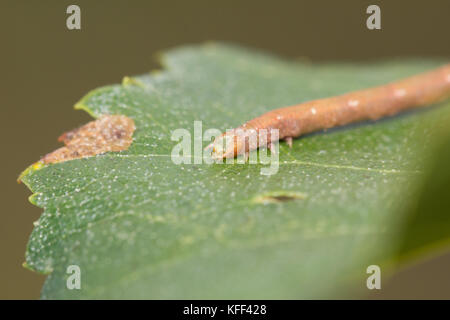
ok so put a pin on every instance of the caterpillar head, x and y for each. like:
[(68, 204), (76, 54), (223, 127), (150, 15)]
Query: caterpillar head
[(229, 145)]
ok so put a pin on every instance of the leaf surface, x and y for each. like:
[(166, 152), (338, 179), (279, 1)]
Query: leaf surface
[(140, 226)]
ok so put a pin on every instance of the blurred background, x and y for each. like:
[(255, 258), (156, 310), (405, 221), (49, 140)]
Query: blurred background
[(46, 68)]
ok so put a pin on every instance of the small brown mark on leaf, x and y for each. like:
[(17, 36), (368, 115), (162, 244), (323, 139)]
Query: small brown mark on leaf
[(278, 197), (108, 133)]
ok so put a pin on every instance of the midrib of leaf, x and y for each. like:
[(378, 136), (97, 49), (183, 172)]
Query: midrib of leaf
[(293, 161)]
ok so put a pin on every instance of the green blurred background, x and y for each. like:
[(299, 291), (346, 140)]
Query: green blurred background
[(47, 68)]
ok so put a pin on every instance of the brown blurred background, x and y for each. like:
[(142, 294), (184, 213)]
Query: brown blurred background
[(46, 68)]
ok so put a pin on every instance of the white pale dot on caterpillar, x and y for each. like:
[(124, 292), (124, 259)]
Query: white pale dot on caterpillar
[(353, 103), (400, 93)]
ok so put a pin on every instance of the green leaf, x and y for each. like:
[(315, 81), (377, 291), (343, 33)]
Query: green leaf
[(140, 226), (427, 227)]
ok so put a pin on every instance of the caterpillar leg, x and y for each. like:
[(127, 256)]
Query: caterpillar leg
[(288, 141)]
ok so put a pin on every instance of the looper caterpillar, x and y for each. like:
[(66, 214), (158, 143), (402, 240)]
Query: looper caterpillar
[(369, 104)]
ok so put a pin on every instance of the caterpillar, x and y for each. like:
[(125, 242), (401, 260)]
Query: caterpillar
[(368, 104)]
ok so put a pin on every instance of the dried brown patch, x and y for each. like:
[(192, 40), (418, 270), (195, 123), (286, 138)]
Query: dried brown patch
[(108, 133)]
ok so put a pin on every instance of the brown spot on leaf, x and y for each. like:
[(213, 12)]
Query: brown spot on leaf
[(278, 197), (108, 133)]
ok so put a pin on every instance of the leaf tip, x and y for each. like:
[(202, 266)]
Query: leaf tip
[(33, 198), (131, 81), (32, 168), (31, 268)]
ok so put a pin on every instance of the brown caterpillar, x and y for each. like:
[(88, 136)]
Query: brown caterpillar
[(369, 104)]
